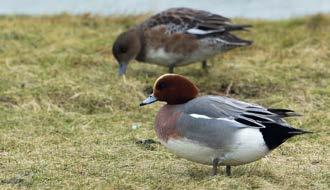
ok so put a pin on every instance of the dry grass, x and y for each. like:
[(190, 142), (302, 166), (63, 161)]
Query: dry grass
[(66, 119)]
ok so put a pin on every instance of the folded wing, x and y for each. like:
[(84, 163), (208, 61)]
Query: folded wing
[(198, 23), (214, 120)]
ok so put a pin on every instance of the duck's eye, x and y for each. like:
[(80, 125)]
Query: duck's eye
[(123, 49), (161, 86)]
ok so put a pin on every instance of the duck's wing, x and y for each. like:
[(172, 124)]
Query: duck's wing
[(213, 132), (224, 107), (215, 120), (196, 22)]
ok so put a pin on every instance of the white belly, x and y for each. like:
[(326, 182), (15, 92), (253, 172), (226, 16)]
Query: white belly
[(163, 58), (190, 150), (247, 146)]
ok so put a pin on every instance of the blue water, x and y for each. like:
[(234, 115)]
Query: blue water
[(266, 9)]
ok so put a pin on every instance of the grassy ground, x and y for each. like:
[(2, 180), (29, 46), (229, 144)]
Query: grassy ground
[(66, 118)]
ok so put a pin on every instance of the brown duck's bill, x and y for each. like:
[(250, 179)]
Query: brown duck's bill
[(122, 69), (151, 99)]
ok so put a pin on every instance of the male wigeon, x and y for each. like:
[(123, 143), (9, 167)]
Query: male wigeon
[(176, 37), (216, 130)]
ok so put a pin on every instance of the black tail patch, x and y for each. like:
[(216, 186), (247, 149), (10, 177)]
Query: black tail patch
[(275, 134)]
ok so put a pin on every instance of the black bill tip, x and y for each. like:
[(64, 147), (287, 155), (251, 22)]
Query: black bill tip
[(151, 99)]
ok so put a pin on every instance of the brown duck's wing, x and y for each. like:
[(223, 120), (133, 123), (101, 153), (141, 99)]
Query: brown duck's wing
[(196, 22)]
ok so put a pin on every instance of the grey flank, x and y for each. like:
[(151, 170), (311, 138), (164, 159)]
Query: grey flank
[(221, 118)]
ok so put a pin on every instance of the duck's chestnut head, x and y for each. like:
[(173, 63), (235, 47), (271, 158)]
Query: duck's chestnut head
[(173, 89)]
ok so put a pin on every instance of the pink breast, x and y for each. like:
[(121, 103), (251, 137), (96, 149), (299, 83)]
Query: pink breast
[(165, 124)]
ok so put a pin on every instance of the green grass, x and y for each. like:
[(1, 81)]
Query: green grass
[(66, 118)]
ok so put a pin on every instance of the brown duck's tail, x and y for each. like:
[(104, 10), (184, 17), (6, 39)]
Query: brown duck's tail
[(231, 39)]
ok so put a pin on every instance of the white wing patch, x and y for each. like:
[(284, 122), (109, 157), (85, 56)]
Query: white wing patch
[(253, 124), (197, 31), (194, 115)]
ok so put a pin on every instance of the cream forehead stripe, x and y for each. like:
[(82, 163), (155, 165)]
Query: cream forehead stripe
[(161, 77)]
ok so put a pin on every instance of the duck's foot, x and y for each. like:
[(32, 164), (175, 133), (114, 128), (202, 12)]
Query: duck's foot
[(171, 69), (147, 141), (228, 170), (215, 163), (148, 144), (205, 66)]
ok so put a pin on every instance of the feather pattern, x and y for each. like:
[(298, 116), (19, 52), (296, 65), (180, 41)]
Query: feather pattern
[(199, 23), (214, 120)]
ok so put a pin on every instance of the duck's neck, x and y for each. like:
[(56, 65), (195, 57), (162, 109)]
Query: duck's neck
[(142, 54)]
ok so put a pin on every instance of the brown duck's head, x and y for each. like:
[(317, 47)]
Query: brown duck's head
[(126, 48), (172, 89)]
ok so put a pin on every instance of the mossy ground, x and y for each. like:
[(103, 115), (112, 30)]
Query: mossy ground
[(66, 118)]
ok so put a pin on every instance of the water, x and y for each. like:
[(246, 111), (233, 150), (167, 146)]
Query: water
[(265, 9)]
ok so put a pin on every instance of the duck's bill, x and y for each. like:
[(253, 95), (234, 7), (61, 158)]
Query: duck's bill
[(151, 99), (122, 69)]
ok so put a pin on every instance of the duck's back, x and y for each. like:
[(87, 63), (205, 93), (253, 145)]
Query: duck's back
[(181, 36)]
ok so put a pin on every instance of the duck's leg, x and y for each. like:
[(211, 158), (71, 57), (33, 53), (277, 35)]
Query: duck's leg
[(204, 64), (228, 170), (171, 68), (215, 163)]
